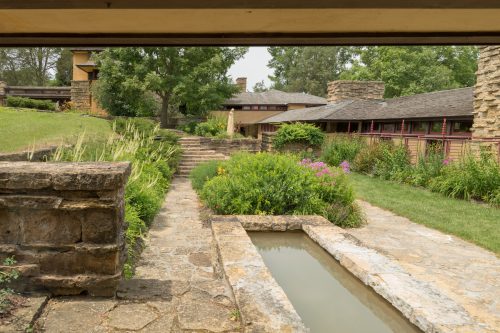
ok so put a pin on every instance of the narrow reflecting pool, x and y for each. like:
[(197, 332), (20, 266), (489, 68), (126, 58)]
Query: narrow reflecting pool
[(326, 296)]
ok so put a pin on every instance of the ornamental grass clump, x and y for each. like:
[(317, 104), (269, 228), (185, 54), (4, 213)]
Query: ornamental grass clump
[(153, 159), (302, 133), (276, 184), (470, 178), (342, 148)]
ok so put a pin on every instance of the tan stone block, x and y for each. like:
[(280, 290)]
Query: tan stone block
[(9, 227), (51, 227), (100, 226)]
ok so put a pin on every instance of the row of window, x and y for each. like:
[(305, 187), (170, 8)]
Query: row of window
[(421, 127), (257, 107)]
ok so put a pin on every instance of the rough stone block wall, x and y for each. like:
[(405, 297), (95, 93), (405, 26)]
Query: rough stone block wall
[(64, 225), (228, 147), (487, 94), (81, 95), (354, 90), (267, 145)]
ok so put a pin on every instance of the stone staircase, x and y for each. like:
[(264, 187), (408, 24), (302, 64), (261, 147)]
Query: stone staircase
[(193, 154)]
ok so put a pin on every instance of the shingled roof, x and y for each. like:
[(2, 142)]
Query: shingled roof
[(447, 103), (274, 97)]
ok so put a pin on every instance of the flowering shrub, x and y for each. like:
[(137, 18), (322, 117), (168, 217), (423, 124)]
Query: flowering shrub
[(298, 133), (276, 184)]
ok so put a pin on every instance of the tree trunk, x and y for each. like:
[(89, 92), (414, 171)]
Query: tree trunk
[(164, 119)]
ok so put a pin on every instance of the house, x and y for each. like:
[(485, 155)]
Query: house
[(442, 118), (252, 107)]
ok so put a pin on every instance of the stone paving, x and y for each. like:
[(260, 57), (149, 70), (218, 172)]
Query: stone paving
[(464, 272), (174, 289)]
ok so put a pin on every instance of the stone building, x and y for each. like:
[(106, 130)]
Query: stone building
[(85, 72)]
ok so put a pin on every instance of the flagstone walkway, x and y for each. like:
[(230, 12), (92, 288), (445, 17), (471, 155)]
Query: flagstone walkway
[(466, 273), (174, 289)]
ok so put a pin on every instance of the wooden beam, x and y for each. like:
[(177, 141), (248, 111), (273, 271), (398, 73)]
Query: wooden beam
[(245, 22)]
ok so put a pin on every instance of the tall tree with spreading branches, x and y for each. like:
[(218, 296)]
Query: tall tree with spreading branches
[(193, 80)]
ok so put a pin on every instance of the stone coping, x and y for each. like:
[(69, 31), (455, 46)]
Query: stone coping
[(263, 305), (420, 302), (67, 176)]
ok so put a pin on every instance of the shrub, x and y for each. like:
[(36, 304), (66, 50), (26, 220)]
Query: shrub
[(298, 133), (203, 173), (367, 158), (342, 148), (29, 103), (470, 178), (393, 162), (276, 184), (212, 127), (189, 127), (427, 167), (7, 276)]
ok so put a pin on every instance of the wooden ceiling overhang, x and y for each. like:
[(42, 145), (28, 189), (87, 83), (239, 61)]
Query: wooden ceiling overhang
[(246, 22)]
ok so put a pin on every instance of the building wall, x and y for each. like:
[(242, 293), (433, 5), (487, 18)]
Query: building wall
[(80, 58), (296, 106)]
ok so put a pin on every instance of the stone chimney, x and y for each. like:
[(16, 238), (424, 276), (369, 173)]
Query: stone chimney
[(486, 94), (354, 90), (242, 83)]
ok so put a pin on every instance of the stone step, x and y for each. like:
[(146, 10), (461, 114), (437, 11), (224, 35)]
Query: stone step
[(202, 159)]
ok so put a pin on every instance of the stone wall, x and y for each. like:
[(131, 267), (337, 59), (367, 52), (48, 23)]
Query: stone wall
[(64, 225), (267, 145), (80, 95), (228, 147), (354, 90), (486, 94), (39, 155)]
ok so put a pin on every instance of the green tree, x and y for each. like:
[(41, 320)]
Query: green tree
[(307, 69), (408, 70), (133, 81), (260, 87), (28, 66), (64, 68)]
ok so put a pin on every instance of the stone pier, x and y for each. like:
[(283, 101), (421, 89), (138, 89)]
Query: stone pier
[(63, 223)]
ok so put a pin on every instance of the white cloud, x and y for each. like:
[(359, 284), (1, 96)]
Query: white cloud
[(253, 66)]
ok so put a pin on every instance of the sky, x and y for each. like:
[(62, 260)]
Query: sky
[(253, 66)]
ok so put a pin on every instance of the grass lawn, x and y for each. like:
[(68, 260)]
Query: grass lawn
[(479, 224), (21, 129)]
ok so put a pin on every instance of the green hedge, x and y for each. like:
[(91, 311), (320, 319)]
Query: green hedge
[(29, 103), (298, 133)]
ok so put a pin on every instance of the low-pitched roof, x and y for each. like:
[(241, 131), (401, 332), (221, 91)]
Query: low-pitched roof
[(447, 103), (274, 97)]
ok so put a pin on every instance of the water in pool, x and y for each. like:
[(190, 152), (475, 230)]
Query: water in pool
[(326, 296)]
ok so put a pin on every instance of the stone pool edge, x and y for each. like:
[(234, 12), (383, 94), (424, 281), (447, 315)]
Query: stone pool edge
[(420, 302)]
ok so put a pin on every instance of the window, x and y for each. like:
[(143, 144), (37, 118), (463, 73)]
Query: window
[(419, 127), (398, 127), (437, 127), (388, 127), (462, 126), (246, 107), (255, 107), (263, 107)]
